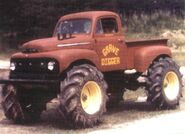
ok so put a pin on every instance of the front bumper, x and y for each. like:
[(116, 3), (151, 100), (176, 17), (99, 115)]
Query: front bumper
[(29, 81)]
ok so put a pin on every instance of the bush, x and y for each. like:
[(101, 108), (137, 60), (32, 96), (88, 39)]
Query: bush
[(153, 23)]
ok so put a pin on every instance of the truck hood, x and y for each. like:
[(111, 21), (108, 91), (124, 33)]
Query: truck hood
[(50, 44)]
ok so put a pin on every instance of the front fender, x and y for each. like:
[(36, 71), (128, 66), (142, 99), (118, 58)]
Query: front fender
[(71, 55), (146, 55)]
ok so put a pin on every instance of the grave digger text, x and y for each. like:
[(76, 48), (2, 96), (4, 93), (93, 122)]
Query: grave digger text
[(110, 50)]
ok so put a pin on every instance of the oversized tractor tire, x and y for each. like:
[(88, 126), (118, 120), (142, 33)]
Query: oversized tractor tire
[(83, 96), (19, 107), (164, 83)]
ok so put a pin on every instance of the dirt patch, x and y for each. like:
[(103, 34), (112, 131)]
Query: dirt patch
[(126, 114), (3, 75), (4, 64)]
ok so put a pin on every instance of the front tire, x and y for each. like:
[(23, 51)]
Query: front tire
[(83, 96), (19, 105), (164, 83), (11, 106)]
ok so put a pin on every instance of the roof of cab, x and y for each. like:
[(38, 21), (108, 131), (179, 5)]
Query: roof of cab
[(88, 14)]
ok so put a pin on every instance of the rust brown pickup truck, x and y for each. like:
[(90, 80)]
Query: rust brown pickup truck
[(88, 64)]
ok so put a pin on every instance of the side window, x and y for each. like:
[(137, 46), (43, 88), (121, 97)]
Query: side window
[(106, 26)]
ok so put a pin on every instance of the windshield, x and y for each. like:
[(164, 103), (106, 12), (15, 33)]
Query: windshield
[(75, 26)]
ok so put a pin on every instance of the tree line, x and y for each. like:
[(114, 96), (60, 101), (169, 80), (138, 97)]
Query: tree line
[(22, 20)]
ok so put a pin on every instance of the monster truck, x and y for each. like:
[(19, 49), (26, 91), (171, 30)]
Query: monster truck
[(88, 64)]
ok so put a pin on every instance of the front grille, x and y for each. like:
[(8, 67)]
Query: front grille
[(34, 68)]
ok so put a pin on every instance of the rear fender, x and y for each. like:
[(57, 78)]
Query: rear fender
[(146, 55)]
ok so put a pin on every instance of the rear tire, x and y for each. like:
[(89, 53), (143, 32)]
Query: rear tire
[(83, 96), (164, 83)]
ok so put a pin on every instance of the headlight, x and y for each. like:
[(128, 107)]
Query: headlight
[(12, 66), (51, 65)]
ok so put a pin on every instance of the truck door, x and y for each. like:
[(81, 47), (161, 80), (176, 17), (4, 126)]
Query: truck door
[(109, 44)]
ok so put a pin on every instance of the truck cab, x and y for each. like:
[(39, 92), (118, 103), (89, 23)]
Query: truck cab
[(98, 26)]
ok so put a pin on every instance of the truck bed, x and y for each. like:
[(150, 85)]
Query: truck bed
[(138, 50)]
